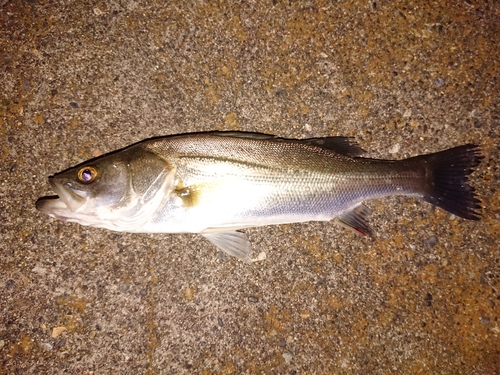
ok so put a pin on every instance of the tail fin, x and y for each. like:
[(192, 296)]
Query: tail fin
[(447, 173)]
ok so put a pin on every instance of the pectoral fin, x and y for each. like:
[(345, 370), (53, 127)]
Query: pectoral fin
[(355, 220), (232, 243)]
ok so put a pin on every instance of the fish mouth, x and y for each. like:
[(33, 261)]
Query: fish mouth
[(67, 199), (54, 207), (72, 197)]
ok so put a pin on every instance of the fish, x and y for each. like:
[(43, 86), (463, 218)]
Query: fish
[(217, 183)]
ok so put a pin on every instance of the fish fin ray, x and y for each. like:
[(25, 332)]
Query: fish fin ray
[(447, 180), (346, 146), (232, 243), (356, 220), (245, 135)]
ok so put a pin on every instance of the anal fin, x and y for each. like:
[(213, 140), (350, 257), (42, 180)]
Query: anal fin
[(356, 220), (232, 243)]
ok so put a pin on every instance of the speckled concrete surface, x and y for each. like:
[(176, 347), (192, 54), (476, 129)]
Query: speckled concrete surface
[(403, 77)]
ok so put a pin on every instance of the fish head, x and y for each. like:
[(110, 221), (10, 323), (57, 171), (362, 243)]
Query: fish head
[(111, 192)]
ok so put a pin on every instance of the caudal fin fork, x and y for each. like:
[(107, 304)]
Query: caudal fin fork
[(447, 176)]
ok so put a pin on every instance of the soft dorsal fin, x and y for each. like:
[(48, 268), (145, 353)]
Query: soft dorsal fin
[(341, 145), (356, 220)]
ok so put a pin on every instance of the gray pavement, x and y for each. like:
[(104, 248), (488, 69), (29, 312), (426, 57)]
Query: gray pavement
[(78, 79)]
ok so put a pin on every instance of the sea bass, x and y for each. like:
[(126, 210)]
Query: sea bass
[(216, 183)]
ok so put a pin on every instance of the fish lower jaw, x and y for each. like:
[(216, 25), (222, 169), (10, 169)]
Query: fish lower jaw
[(73, 199)]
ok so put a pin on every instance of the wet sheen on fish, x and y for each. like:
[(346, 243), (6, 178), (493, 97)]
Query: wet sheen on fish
[(216, 183)]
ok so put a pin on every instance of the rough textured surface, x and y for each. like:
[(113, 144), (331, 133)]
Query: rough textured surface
[(403, 77)]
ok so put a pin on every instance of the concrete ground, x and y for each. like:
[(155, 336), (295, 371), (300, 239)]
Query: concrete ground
[(80, 78)]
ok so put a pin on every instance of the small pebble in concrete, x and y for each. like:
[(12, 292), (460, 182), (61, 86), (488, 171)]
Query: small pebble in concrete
[(395, 149), (287, 357), (262, 256), (124, 288), (46, 346), (39, 269), (188, 293), (56, 331), (59, 343), (485, 319), (96, 152), (428, 299), (431, 241)]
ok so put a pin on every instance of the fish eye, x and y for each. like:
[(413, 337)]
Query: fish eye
[(87, 174)]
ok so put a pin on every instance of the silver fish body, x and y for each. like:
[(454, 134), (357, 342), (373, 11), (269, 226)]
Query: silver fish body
[(216, 183)]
